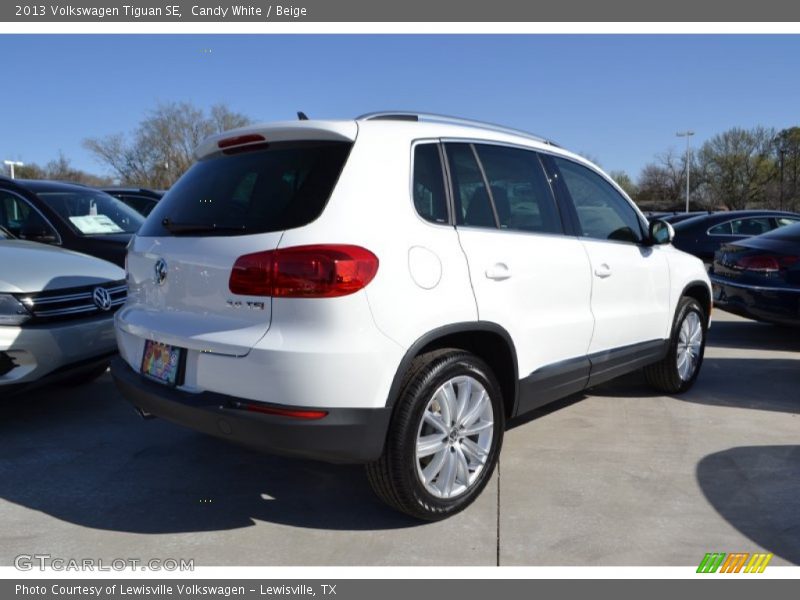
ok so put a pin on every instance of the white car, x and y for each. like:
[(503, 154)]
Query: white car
[(391, 290), (56, 314)]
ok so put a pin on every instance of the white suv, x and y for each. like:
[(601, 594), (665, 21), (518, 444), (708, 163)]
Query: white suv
[(391, 290)]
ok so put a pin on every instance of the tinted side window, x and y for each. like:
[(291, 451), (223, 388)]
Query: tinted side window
[(520, 191), (721, 229), (141, 204), (20, 219), (751, 226), (603, 212), (784, 221), (469, 190), (429, 195)]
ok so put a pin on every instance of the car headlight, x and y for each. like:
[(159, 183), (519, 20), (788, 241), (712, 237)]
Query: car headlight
[(12, 311)]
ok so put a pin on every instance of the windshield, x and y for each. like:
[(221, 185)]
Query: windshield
[(259, 190), (5, 234), (92, 212)]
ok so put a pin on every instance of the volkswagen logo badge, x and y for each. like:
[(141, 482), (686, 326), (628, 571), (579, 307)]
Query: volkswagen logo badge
[(160, 271), (102, 298)]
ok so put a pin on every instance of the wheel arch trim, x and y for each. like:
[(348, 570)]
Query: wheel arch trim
[(431, 337), (708, 304)]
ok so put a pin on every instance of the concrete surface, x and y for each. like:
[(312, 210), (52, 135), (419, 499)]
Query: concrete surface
[(620, 476)]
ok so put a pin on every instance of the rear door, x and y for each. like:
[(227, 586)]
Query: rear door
[(232, 202), (630, 280), (526, 274)]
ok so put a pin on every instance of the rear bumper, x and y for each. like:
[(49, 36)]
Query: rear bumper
[(773, 305), (344, 435)]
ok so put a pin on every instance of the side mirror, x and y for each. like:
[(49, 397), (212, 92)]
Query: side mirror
[(38, 234), (661, 232)]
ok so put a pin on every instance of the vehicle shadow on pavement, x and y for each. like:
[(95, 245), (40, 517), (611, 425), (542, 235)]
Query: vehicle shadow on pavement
[(82, 455), (752, 335), (760, 384), (757, 490)]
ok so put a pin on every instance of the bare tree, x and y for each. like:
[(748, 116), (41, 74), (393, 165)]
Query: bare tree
[(161, 147), (662, 184), (60, 169)]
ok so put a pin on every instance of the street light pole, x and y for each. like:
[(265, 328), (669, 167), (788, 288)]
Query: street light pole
[(11, 164), (687, 134)]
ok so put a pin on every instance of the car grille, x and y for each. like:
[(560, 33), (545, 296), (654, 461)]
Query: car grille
[(75, 303)]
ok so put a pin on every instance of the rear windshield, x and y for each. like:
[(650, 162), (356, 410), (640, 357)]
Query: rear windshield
[(92, 212), (282, 186)]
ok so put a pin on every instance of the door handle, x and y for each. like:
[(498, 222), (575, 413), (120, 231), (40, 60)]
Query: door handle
[(498, 272), (603, 271)]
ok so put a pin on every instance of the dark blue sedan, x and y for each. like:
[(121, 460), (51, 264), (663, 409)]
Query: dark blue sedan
[(759, 277), (704, 234)]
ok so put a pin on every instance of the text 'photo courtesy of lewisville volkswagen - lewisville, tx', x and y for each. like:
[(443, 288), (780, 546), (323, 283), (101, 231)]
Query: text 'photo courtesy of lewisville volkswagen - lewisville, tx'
[(398, 300)]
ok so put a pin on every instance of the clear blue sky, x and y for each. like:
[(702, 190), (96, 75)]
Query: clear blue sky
[(618, 99)]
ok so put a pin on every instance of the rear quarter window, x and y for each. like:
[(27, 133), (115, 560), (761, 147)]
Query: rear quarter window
[(430, 200), (281, 186)]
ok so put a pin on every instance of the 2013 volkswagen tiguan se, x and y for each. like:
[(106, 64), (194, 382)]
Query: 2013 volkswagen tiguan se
[(391, 290)]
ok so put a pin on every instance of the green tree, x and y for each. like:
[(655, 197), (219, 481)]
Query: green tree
[(787, 150), (739, 166), (625, 182)]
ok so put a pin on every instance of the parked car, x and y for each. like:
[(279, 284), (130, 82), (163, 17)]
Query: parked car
[(391, 290), (675, 216), (73, 216), (142, 200), (56, 314), (759, 277), (703, 235)]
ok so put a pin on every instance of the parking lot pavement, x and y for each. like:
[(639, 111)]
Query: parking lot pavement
[(624, 477), (620, 476)]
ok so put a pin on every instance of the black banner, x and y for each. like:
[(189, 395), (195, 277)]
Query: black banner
[(407, 11)]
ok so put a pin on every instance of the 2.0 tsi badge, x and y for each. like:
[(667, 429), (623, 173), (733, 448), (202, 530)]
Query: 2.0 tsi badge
[(160, 269)]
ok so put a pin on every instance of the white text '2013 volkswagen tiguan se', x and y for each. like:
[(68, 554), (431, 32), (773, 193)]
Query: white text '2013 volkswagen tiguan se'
[(391, 290)]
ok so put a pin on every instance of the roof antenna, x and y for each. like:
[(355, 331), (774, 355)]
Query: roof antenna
[(302, 116)]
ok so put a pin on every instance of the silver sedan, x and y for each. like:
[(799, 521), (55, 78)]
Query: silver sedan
[(56, 314)]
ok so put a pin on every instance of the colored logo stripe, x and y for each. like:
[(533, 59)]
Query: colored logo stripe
[(734, 562), (758, 563), (711, 562)]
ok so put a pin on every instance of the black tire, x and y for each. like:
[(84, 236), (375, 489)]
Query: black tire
[(87, 376), (664, 375), (394, 476)]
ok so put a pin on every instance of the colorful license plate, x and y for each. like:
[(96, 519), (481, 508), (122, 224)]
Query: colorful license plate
[(162, 362)]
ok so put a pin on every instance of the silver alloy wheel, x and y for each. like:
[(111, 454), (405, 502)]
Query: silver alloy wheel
[(690, 341), (454, 437)]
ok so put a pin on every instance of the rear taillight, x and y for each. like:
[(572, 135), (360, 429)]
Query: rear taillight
[(765, 263), (319, 271)]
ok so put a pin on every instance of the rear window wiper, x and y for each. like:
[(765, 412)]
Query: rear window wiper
[(200, 227)]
